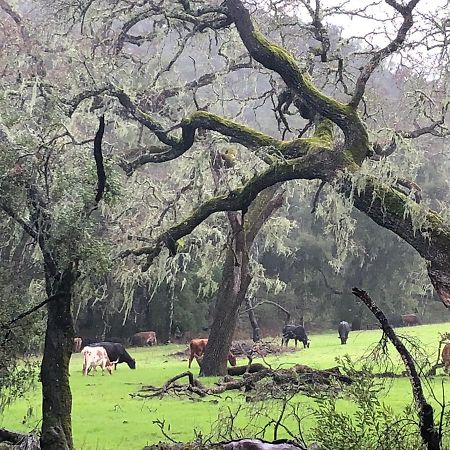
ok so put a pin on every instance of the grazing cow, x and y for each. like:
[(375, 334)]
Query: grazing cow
[(144, 338), (446, 358), (197, 348), (343, 331), (410, 319), (117, 353), (296, 332), (96, 357), (77, 344)]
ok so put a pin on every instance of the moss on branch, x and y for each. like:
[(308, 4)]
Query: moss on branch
[(277, 58), (320, 164)]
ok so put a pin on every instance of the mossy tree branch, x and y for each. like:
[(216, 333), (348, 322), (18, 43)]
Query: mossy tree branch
[(393, 210), (276, 58), (317, 164), (242, 134)]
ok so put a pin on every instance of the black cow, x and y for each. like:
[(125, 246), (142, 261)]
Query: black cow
[(343, 331), (85, 341), (116, 353), (296, 332)]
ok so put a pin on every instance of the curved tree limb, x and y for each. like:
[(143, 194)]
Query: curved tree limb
[(239, 133), (318, 164), (276, 58)]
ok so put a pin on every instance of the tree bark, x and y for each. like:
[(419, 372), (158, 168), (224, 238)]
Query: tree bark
[(256, 331), (56, 431), (236, 280), (229, 297)]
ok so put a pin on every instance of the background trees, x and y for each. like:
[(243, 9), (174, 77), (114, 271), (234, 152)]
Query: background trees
[(319, 104)]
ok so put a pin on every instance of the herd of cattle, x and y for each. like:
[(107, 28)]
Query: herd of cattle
[(107, 354)]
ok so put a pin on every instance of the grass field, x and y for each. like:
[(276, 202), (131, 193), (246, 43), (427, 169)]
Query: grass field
[(105, 417)]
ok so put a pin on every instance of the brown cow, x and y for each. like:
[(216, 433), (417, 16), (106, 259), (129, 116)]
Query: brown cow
[(144, 338), (446, 358), (77, 344), (197, 348), (410, 319)]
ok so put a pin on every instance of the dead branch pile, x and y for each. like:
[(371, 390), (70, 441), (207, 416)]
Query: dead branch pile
[(261, 348), (248, 348), (299, 378), (242, 444)]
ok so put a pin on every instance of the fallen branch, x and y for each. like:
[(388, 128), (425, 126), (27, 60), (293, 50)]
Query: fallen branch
[(298, 378)]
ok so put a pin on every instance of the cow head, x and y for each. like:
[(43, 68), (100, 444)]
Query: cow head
[(343, 339), (232, 359), (307, 343), (132, 363)]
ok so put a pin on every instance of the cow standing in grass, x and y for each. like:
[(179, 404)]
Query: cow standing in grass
[(117, 353), (296, 332), (446, 358), (410, 320), (197, 348), (144, 338), (94, 357), (343, 331)]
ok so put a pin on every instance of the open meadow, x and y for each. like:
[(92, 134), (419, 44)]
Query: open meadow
[(105, 417)]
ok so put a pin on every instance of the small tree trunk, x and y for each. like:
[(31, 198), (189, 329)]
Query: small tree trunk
[(170, 306), (57, 398), (256, 332)]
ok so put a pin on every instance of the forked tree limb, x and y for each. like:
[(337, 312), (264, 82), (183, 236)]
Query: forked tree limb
[(429, 434)]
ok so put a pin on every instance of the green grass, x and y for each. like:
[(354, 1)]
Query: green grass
[(105, 417)]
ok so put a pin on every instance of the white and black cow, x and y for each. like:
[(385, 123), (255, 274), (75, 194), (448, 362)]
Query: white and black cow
[(117, 353), (343, 331), (296, 332)]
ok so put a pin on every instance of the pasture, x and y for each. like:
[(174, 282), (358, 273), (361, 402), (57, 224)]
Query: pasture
[(105, 417)]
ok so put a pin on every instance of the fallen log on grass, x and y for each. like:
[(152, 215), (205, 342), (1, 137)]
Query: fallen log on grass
[(299, 378)]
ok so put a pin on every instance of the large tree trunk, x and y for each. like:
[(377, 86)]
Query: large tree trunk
[(230, 295), (236, 280), (57, 397)]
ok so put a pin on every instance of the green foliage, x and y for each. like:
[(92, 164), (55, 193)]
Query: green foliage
[(368, 423)]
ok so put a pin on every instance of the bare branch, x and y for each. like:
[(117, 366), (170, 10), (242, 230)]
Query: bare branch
[(11, 213), (393, 46)]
